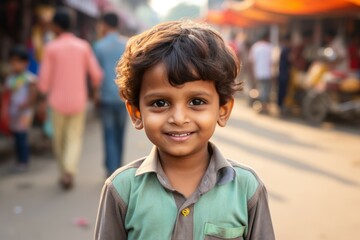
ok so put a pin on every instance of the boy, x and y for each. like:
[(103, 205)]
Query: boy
[(178, 81), (21, 85)]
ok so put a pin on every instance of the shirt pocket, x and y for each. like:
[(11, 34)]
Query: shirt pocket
[(214, 232)]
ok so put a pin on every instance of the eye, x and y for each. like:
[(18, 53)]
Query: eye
[(160, 103), (196, 102)]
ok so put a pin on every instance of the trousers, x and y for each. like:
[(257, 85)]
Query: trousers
[(68, 140), (113, 118)]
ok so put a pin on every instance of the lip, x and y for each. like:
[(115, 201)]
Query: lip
[(179, 136)]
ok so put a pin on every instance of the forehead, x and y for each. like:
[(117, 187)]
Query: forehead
[(155, 82)]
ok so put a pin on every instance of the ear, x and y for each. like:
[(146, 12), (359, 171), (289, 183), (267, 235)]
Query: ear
[(224, 112), (135, 115)]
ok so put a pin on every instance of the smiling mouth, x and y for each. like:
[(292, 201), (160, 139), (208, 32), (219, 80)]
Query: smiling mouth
[(179, 134)]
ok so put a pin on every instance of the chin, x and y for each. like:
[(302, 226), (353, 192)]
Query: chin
[(178, 152)]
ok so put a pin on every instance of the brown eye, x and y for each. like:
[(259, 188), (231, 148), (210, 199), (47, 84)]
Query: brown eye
[(160, 103), (196, 102)]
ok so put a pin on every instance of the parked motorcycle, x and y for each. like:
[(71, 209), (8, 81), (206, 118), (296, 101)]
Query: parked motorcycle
[(302, 82), (336, 93)]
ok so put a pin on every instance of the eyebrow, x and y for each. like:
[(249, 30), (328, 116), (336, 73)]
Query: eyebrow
[(165, 94)]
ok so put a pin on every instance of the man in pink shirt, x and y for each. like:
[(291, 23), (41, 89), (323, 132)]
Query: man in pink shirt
[(66, 63)]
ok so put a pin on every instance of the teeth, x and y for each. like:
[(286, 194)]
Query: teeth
[(179, 135)]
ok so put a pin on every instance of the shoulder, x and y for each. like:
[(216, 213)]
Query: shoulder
[(52, 45), (123, 178), (244, 171), (99, 43), (77, 42), (83, 43), (247, 178)]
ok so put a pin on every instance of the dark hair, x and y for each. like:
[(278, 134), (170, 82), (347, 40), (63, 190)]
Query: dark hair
[(19, 52), (190, 51), (62, 19), (265, 35), (330, 32), (111, 19)]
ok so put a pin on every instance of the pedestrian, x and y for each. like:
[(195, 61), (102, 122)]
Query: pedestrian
[(20, 84), (66, 62), (113, 113), (284, 70), (178, 80), (260, 59)]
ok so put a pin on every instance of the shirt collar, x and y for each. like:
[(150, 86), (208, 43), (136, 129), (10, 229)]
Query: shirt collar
[(149, 164), (219, 171)]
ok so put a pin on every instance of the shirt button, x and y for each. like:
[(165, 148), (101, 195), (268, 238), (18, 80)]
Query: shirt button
[(185, 212)]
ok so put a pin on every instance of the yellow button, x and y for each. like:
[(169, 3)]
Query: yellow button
[(185, 212)]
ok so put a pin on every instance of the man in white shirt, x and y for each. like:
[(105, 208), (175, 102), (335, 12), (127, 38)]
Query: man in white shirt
[(260, 62)]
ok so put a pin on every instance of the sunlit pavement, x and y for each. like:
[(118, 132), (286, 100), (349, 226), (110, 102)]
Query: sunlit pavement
[(312, 175)]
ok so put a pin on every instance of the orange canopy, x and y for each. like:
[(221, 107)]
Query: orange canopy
[(227, 17), (297, 7), (248, 13), (357, 2), (246, 18)]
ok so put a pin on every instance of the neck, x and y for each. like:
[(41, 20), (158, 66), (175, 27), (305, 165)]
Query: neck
[(60, 31), (187, 164), (109, 31)]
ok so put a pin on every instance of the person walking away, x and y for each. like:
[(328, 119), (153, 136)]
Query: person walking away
[(112, 109), (21, 86), (260, 61), (284, 71), (66, 63)]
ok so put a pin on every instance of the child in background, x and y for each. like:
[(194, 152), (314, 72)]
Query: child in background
[(178, 81), (21, 85)]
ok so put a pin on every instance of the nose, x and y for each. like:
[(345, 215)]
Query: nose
[(179, 115)]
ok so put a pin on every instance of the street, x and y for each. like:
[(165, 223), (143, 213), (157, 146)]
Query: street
[(312, 175)]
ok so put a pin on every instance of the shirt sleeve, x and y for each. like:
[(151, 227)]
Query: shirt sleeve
[(94, 68), (111, 215), (260, 224), (44, 80)]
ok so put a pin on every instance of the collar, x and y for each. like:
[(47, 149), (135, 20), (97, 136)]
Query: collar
[(219, 171)]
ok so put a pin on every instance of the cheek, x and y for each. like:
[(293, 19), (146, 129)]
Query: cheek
[(152, 121), (207, 119)]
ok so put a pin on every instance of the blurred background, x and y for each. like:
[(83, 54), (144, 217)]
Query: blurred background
[(303, 141)]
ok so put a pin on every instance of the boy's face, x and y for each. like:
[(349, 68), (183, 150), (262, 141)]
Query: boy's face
[(179, 120), (18, 65)]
